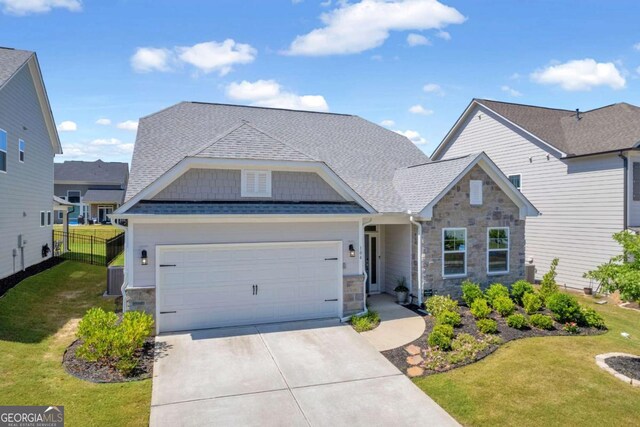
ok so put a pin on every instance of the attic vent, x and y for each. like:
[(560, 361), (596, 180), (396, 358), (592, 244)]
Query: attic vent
[(475, 192), (255, 183)]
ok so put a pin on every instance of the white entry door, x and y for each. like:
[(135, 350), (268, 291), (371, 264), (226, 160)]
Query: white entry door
[(208, 286)]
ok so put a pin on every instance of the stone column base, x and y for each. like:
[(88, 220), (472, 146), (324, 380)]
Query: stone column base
[(352, 294), (140, 299)]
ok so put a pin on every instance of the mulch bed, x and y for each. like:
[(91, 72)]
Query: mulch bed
[(398, 356), (629, 366), (97, 372), (631, 305)]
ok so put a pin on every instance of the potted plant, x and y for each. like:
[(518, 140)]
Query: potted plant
[(401, 290)]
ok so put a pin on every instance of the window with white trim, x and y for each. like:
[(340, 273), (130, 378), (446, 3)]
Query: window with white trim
[(73, 196), (21, 147), (516, 180), (42, 218), (498, 250), (48, 217), (255, 183), (60, 215), (3, 150), (475, 192), (454, 252)]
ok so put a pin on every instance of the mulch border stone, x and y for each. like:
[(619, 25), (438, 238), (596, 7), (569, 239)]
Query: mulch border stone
[(601, 361)]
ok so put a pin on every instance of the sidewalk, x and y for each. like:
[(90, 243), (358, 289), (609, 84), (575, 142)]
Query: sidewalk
[(398, 325)]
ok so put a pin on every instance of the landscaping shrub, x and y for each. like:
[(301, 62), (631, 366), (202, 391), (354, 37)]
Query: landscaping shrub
[(496, 290), (519, 289), (115, 344), (365, 322), (480, 309), (541, 321), (504, 305), (571, 327), (517, 321), (487, 326), (439, 303), (565, 308), (471, 292), (548, 285), (464, 348), (441, 337), (591, 318), (449, 318), (532, 302)]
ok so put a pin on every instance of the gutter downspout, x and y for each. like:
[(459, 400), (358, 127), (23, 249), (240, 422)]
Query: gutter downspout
[(419, 257), (625, 161), (364, 283)]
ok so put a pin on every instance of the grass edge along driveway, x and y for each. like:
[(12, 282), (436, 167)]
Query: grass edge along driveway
[(547, 381), (38, 320)]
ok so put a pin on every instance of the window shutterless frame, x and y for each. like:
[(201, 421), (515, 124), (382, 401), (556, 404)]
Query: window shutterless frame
[(3, 151), (21, 148), (454, 241), (42, 218), (500, 243), (516, 177)]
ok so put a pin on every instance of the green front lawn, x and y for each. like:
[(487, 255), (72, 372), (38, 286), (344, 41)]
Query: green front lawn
[(118, 261), (37, 322), (549, 381)]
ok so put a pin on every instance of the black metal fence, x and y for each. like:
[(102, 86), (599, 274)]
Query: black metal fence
[(87, 248)]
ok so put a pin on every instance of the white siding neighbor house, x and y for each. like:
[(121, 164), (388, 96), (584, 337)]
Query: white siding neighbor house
[(576, 167), (241, 215), (28, 143)]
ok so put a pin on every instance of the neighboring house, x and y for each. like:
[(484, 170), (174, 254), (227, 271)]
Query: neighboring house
[(242, 215), (28, 143), (96, 189), (580, 169)]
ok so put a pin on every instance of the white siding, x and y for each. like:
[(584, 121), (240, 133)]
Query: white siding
[(26, 188), (581, 200), (397, 255), (147, 236)]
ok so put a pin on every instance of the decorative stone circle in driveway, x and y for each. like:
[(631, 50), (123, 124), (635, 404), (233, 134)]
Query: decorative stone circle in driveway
[(601, 360)]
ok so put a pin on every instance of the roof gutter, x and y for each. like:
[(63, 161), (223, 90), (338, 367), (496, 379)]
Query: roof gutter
[(619, 151), (625, 162)]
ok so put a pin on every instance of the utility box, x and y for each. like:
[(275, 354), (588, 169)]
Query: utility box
[(530, 273), (21, 241)]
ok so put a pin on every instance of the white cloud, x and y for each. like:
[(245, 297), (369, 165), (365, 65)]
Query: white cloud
[(413, 136), (108, 141), (108, 149), (214, 56), (206, 57), (376, 57), (511, 91), (354, 28), (25, 7), (433, 88), (103, 122), (419, 109), (67, 126), (581, 74), (388, 123), (269, 93), (147, 59), (636, 46), (443, 35), (128, 125), (414, 39)]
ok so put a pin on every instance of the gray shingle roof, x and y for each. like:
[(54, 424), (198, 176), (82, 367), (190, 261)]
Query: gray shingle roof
[(609, 128), (421, 184), (10, 61), (362, 153), (97, 172), (250, 208), (104, 196)]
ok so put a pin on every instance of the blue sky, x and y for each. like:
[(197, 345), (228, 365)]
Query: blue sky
[(413, 65)]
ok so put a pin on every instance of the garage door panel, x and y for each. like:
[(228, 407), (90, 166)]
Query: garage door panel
[(212, 285)]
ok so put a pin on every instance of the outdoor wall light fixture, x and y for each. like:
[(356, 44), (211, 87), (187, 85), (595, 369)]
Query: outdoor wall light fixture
[(352, 251), (144, 260)]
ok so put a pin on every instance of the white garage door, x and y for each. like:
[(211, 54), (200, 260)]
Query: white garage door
[(208, 286)]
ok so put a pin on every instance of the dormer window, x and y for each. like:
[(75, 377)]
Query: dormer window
[(255, 183)]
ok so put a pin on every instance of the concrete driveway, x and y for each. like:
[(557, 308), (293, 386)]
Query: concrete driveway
[(317, 373)]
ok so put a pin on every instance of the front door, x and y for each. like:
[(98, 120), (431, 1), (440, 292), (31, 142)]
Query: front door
[(372, 262), (104, 212)]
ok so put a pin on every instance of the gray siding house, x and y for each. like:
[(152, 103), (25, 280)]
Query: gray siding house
[(28, 143), (95, 189), (580, 169), (242, 215)]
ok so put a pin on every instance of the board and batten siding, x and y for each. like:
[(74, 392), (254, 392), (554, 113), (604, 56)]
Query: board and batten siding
[(397, 255), (26, 188), (581, 200), (148, 236)]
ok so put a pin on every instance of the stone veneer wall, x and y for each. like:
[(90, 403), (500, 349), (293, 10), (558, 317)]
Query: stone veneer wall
[(454, 210), (352, 294), (141, 299)]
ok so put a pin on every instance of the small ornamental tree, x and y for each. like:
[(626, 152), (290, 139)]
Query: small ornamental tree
[(548, 284), (622, 272)]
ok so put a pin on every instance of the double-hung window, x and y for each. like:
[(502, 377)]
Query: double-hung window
[(454, 252), (21, 147), (3, 151), (516, 180), (498, 250)]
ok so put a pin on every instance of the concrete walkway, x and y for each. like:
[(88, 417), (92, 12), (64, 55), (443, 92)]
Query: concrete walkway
[(398, 325), (317, 373)]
